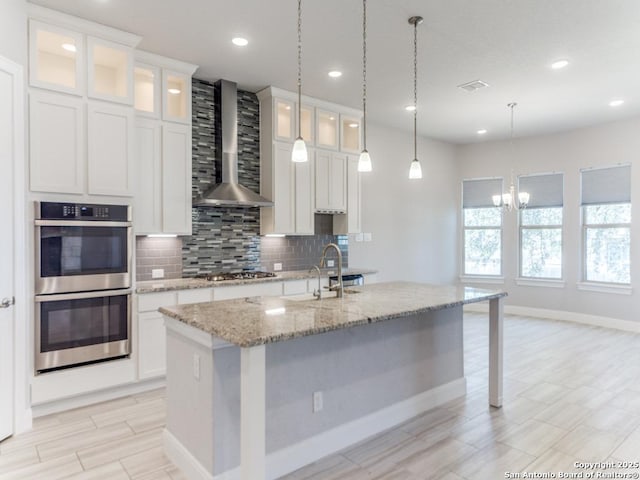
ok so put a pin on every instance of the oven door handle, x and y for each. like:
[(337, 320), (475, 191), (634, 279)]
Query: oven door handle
[(81, 295), (80, 223)]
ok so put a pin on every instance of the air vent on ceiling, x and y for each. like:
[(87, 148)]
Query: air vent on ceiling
[(473, 86)]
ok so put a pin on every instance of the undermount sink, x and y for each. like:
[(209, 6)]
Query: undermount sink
[(325, 295)]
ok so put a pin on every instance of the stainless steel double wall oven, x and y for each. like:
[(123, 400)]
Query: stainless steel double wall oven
[(82, 283)]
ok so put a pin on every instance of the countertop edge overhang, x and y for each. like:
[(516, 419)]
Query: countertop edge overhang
[(254, 321), (168, 285)]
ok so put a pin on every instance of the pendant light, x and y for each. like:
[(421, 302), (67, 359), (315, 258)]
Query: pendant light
[(508, 199), (415, 171), (364, 162), (299, 152)]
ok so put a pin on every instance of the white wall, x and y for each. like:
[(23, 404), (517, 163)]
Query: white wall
[(13, 30), (567, 152), (413, 222)]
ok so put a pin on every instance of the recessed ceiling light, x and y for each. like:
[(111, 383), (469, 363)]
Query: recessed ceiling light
[(410, 108), (481, 131), (240, 41), (174, 91), (335, 73), (557, 65), (616, 103), (353, 125), (69, 47)]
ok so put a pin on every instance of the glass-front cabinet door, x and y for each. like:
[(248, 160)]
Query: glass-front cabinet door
[(284, 118), (55, 58), (350, 128), (327, 129), (176, 97), (146, 90), (307, 122), (110, 71)]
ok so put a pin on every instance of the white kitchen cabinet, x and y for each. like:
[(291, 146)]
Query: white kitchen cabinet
[(147, 205), (351, 221), (110, 146), (290, 186), (57, 158), (176, 179), (152, 345), (327, 129), (284, 120), (176, 97), (147, 81), (330, 182), (110, 71), (56, 58), (350, 133)]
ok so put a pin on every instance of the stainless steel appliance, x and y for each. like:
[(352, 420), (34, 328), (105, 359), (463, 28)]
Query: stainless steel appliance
[(348, 280), (82, 247), (76, 328), (82, 283)]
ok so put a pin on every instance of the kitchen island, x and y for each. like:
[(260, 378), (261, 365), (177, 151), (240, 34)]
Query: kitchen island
[(258, 387)]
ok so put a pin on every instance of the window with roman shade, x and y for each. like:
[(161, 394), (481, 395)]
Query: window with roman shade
[(606, 224), (482, 223), (541, 226)]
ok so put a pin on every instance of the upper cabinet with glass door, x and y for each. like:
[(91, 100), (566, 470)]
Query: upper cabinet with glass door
[(350, 134), (176, 97), (326, 129), (55, 58), (146, 90), (110, 75)]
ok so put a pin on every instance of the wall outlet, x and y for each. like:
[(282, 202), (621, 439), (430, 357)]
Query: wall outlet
[(277, 267), (359, 237), (157, 273), (317, 402), (330, 263), (196, 366), (368, 237)]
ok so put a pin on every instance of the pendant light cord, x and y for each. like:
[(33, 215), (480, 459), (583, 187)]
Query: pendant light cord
[(364, 72), (415, 89), (299, 68), (512, 106)]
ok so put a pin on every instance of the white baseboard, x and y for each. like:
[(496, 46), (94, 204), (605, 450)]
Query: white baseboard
[(96, 397), (291, 458), (582, 318)]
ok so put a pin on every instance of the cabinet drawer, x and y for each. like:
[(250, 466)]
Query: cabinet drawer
[(150, 302), (195, 296)]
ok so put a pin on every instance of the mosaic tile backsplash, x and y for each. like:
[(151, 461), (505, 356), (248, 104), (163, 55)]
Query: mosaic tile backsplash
[(228, 238)]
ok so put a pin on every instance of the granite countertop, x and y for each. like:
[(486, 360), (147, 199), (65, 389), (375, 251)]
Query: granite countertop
[(260, 320), (150, 286)]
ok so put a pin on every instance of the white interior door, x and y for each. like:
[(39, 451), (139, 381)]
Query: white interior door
[(9, 100)]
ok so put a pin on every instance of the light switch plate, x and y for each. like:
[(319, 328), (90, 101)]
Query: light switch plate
[(157, 273), (330, 263), (277, 267), (317, 402), (359, 237), (368, 237)]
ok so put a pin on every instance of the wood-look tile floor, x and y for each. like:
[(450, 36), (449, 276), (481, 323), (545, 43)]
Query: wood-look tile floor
[(572, 394)]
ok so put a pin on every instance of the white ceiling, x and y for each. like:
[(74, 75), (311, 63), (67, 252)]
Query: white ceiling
[(506, 43)]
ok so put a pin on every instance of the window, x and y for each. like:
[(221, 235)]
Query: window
[(541, 226), (482, 227), (606, 224)]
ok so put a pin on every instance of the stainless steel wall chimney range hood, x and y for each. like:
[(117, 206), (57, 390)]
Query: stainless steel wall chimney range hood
[(228, 192)]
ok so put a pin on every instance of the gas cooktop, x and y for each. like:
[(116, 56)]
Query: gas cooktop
[(246, 275)]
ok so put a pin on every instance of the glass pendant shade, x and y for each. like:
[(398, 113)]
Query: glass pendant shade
[(299, 152), (497, 200), (364, 162), (523, 198), (415, 172)]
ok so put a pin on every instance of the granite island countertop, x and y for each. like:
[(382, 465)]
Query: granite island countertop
[(166, 285), (255, 321)]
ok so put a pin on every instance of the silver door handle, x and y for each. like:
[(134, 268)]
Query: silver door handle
[(7, 302)]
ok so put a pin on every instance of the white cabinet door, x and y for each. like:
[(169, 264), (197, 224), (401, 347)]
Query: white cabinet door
[(110, 149), (56, 126), (283, 190), (110, 71), (304, 192), (176, 179), (152, 345), (330, 182), (350, 222), (147, 206)]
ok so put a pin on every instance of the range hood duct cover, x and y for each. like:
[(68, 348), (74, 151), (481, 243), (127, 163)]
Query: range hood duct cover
[(227, 191)]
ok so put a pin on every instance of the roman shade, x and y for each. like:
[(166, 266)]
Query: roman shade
[(479, 193), (606, 185), (544, 190)]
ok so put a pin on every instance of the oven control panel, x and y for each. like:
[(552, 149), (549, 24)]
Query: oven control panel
[(80, 211)]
